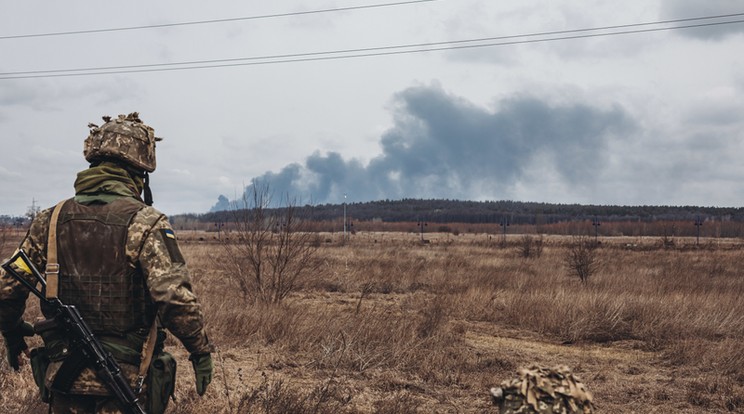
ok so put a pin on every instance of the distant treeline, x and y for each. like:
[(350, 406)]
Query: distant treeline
[(17, 221), (480, 212)]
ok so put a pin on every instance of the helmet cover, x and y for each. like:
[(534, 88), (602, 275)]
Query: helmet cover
[(125, 138)]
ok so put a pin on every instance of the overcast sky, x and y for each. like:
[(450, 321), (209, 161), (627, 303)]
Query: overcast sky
[(643, 118)]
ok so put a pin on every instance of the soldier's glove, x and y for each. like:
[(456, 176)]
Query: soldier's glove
[(15, 342), (203, 368)]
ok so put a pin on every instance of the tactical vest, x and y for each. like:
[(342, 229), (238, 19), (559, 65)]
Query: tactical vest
[(94, 273)]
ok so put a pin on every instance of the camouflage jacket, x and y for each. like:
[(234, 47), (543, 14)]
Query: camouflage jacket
[(150, 247)]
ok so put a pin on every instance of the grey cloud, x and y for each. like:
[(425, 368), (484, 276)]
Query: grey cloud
[(19, 94), (680, 9), (718, 108), (684, 164), (716, 114), (443, 146), (43, 95)]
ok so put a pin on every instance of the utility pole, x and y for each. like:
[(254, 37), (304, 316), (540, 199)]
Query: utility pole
[(698, 223), (421, 225), (33, 210), (596, 224), (344, 217), (504, 224)]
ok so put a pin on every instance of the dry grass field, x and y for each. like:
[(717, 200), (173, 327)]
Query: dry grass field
[(392, 325)]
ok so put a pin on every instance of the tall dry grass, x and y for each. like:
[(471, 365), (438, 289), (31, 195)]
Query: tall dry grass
[(396, 312), (391, 325)]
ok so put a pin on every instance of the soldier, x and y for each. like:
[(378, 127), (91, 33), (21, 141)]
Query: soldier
[(114, 257)]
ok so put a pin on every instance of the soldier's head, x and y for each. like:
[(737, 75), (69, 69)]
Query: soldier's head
[(125, 140)]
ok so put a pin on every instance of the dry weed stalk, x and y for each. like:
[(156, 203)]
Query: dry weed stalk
[(221, 362)]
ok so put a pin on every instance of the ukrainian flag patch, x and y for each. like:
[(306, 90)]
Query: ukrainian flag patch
[(169, 238)]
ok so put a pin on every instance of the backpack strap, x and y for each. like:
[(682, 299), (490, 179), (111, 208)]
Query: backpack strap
[(52, 266)]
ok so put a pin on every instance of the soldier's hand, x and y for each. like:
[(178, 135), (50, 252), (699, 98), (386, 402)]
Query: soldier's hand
[(203, 368), (15, 344)]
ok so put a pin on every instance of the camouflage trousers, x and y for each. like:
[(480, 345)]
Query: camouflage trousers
[(86, 404)]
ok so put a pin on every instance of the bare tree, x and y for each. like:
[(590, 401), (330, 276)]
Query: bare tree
[(581, 258), (268, 251)]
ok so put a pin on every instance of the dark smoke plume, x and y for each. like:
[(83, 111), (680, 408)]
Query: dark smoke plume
[(442, 146)]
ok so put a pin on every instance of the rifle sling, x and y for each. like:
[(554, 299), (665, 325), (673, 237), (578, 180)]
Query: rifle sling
[(52, 266)]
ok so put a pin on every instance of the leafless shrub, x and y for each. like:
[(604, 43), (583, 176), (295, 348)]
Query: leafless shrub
[(268, 251), (530, 246), (581, 258), (666, 242)]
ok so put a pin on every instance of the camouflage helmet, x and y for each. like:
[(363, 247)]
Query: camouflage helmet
[(540, 390), (125, 138)]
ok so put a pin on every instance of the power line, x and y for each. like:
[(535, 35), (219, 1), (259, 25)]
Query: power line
[(274, 58), (361, 52), (226, 20)]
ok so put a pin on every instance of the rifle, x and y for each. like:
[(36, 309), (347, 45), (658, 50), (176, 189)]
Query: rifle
[(68, 319)]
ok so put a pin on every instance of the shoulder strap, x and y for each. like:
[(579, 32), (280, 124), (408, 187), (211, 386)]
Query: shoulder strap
[(52, 267), (148, 349)]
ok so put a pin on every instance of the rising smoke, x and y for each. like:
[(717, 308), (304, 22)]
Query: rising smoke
[(442, 146)]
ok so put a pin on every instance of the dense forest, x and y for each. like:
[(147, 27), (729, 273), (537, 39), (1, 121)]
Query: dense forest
[(436, 215), (514, 212)]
